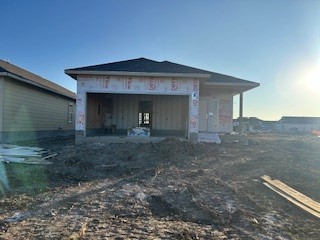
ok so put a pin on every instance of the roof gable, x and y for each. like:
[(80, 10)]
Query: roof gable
[(15, 71)]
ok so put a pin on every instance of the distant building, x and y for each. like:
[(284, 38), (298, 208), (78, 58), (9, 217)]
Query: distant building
[(269, 126), (249, 124), (32, 107), (298, 124)]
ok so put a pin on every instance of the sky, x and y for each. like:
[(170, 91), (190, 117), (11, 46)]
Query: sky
[(275, 43)]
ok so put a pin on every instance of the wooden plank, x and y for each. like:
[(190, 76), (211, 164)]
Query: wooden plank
[(18, 152), (11, 159), (9, 146), (24, 160), (39, 162), (49, 156), (299, 196), (293, 193), (297, 203)]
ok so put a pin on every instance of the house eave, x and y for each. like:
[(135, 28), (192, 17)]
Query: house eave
[(75, 73), (241, 86), (253, 85), (6, 74)]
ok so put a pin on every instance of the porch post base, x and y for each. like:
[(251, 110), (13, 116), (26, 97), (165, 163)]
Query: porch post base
[(80, 136), (194, 137)]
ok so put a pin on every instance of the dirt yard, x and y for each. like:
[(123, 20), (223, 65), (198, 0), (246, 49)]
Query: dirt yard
[(171, 189)]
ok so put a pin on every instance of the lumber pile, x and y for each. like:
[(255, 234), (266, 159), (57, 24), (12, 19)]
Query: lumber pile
[(24, 154), (293, 196)]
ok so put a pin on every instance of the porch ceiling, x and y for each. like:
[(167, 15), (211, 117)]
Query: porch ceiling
[(234, 85), (230, 87)]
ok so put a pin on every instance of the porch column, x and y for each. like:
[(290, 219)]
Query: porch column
[(241, 113), (81, 116), (193, 130)]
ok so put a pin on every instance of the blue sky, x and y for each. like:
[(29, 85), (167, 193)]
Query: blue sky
[(275, 43)]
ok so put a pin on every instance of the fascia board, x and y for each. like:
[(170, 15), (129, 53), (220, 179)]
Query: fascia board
[(253, 85), (140, 74)]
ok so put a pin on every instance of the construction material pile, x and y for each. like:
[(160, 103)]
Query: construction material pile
[(24, 154)]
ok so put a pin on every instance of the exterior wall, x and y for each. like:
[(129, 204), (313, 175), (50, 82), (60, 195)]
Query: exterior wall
[(136, 85), (1, 103), (216, 112), (29, 110), (170, 113), (297, 128), (208, 114), (225, 114)]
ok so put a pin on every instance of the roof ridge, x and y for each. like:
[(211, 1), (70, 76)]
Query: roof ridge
[(117, 62)]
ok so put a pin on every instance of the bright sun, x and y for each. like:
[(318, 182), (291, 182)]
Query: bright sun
[(313, 80)]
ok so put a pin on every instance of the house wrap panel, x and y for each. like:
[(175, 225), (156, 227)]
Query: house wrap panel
[(225, 111), (144, 86), (219, 111), (27, 108)]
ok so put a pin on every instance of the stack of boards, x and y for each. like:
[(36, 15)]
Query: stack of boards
[(24, 154), (293, 196)]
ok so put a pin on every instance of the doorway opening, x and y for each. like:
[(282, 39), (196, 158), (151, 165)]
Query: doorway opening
[(145, 114)]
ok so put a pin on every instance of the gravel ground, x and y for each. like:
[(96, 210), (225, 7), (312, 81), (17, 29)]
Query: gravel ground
[(165, 189)]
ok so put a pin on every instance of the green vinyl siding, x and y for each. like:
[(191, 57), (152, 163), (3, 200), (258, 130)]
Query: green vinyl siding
[(28, 108), (1, 102)]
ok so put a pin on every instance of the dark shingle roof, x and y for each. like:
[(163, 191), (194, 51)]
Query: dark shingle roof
[(221, 78), (300, 120), (144, 65), (9, 68), (141, 65)]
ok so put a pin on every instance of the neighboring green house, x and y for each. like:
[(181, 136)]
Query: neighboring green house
[(32, 107)]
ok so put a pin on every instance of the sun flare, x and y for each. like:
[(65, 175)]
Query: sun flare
[(313, 80)]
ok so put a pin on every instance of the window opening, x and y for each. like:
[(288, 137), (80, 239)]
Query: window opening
[(70, 112)]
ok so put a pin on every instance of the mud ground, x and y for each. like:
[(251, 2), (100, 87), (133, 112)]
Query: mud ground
[(169, 189)]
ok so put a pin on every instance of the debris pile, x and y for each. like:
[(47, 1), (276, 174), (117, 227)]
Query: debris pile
[(24, 154), (139, 131)]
